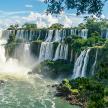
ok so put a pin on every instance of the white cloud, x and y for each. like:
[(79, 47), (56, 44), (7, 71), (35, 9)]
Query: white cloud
[(28, 6), (41, 0), (47, 20), (41, 19)]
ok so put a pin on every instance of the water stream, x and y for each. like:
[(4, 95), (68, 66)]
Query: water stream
[(20, 90)]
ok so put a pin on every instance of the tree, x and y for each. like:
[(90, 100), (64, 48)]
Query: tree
[(56, 26), (10, 46), (95, 25), (82, 26), (81, 6), (13, 27), (11, 38), (29, 26), (106, 44)]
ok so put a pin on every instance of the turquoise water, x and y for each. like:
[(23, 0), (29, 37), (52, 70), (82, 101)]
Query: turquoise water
[(32, 93)]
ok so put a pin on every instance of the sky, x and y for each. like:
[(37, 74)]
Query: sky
[(33, 11)]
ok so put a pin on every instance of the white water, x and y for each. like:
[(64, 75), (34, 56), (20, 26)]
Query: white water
[(61, 52), (84, 68), (81, 64), (10, 67), (73, 32), (84, 33), (50, 36), (57, 36), (46, 51)]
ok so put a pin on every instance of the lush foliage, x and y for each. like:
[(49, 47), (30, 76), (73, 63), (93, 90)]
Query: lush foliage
[(106, 44), (86, 90), (10, 46), (78, 43), (103, 74), (13, 27), (28, 26), (82, 6), (56, 26), (58, 68)]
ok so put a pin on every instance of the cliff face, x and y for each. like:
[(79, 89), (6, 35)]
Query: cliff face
[(73, 55)]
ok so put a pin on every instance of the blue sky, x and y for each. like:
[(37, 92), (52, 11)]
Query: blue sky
[(19, 5), (21, 11), (29, 5)]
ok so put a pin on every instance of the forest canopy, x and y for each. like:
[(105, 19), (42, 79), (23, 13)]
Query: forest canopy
[(81, 6)]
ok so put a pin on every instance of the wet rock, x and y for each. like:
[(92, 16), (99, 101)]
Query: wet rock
[(2, 81), (48, 85), (55, 85), (59, 94), (29, 73)]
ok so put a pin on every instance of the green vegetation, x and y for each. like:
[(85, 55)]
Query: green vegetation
[(56, 26), (30, 26), (91, 92), (57, 68), (106, 44), (13, 27), (81, 7), (35, 47), (77, 43), (103, 74), (11, 44)]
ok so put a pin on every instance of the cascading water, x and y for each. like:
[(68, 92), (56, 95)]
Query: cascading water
[(57, 36), (61, 52), (84, 33), (46, 51), (84, 68), (104, 33), (73, 32), (78, 65), (50, 36), (27, 59), (20, 90), (10, 66), (81, 64), (107, 34)]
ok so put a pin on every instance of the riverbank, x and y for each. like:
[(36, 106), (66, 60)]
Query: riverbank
[(84, 92)]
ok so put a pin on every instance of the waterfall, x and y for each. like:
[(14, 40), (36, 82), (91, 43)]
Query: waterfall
[(39, 35), (5, 34), (50, 36), (73, 32), (84, 33), (57, 36), (27, 59), (2, 54), (46, 51), (81, 64), (61, 52), (94, 64), (2, 49), (83, 73), (10, 67), (24, 35), (106, 34), (20, 34)]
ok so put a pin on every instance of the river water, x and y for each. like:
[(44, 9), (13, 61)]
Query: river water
[(21, 90), (29, 92)]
